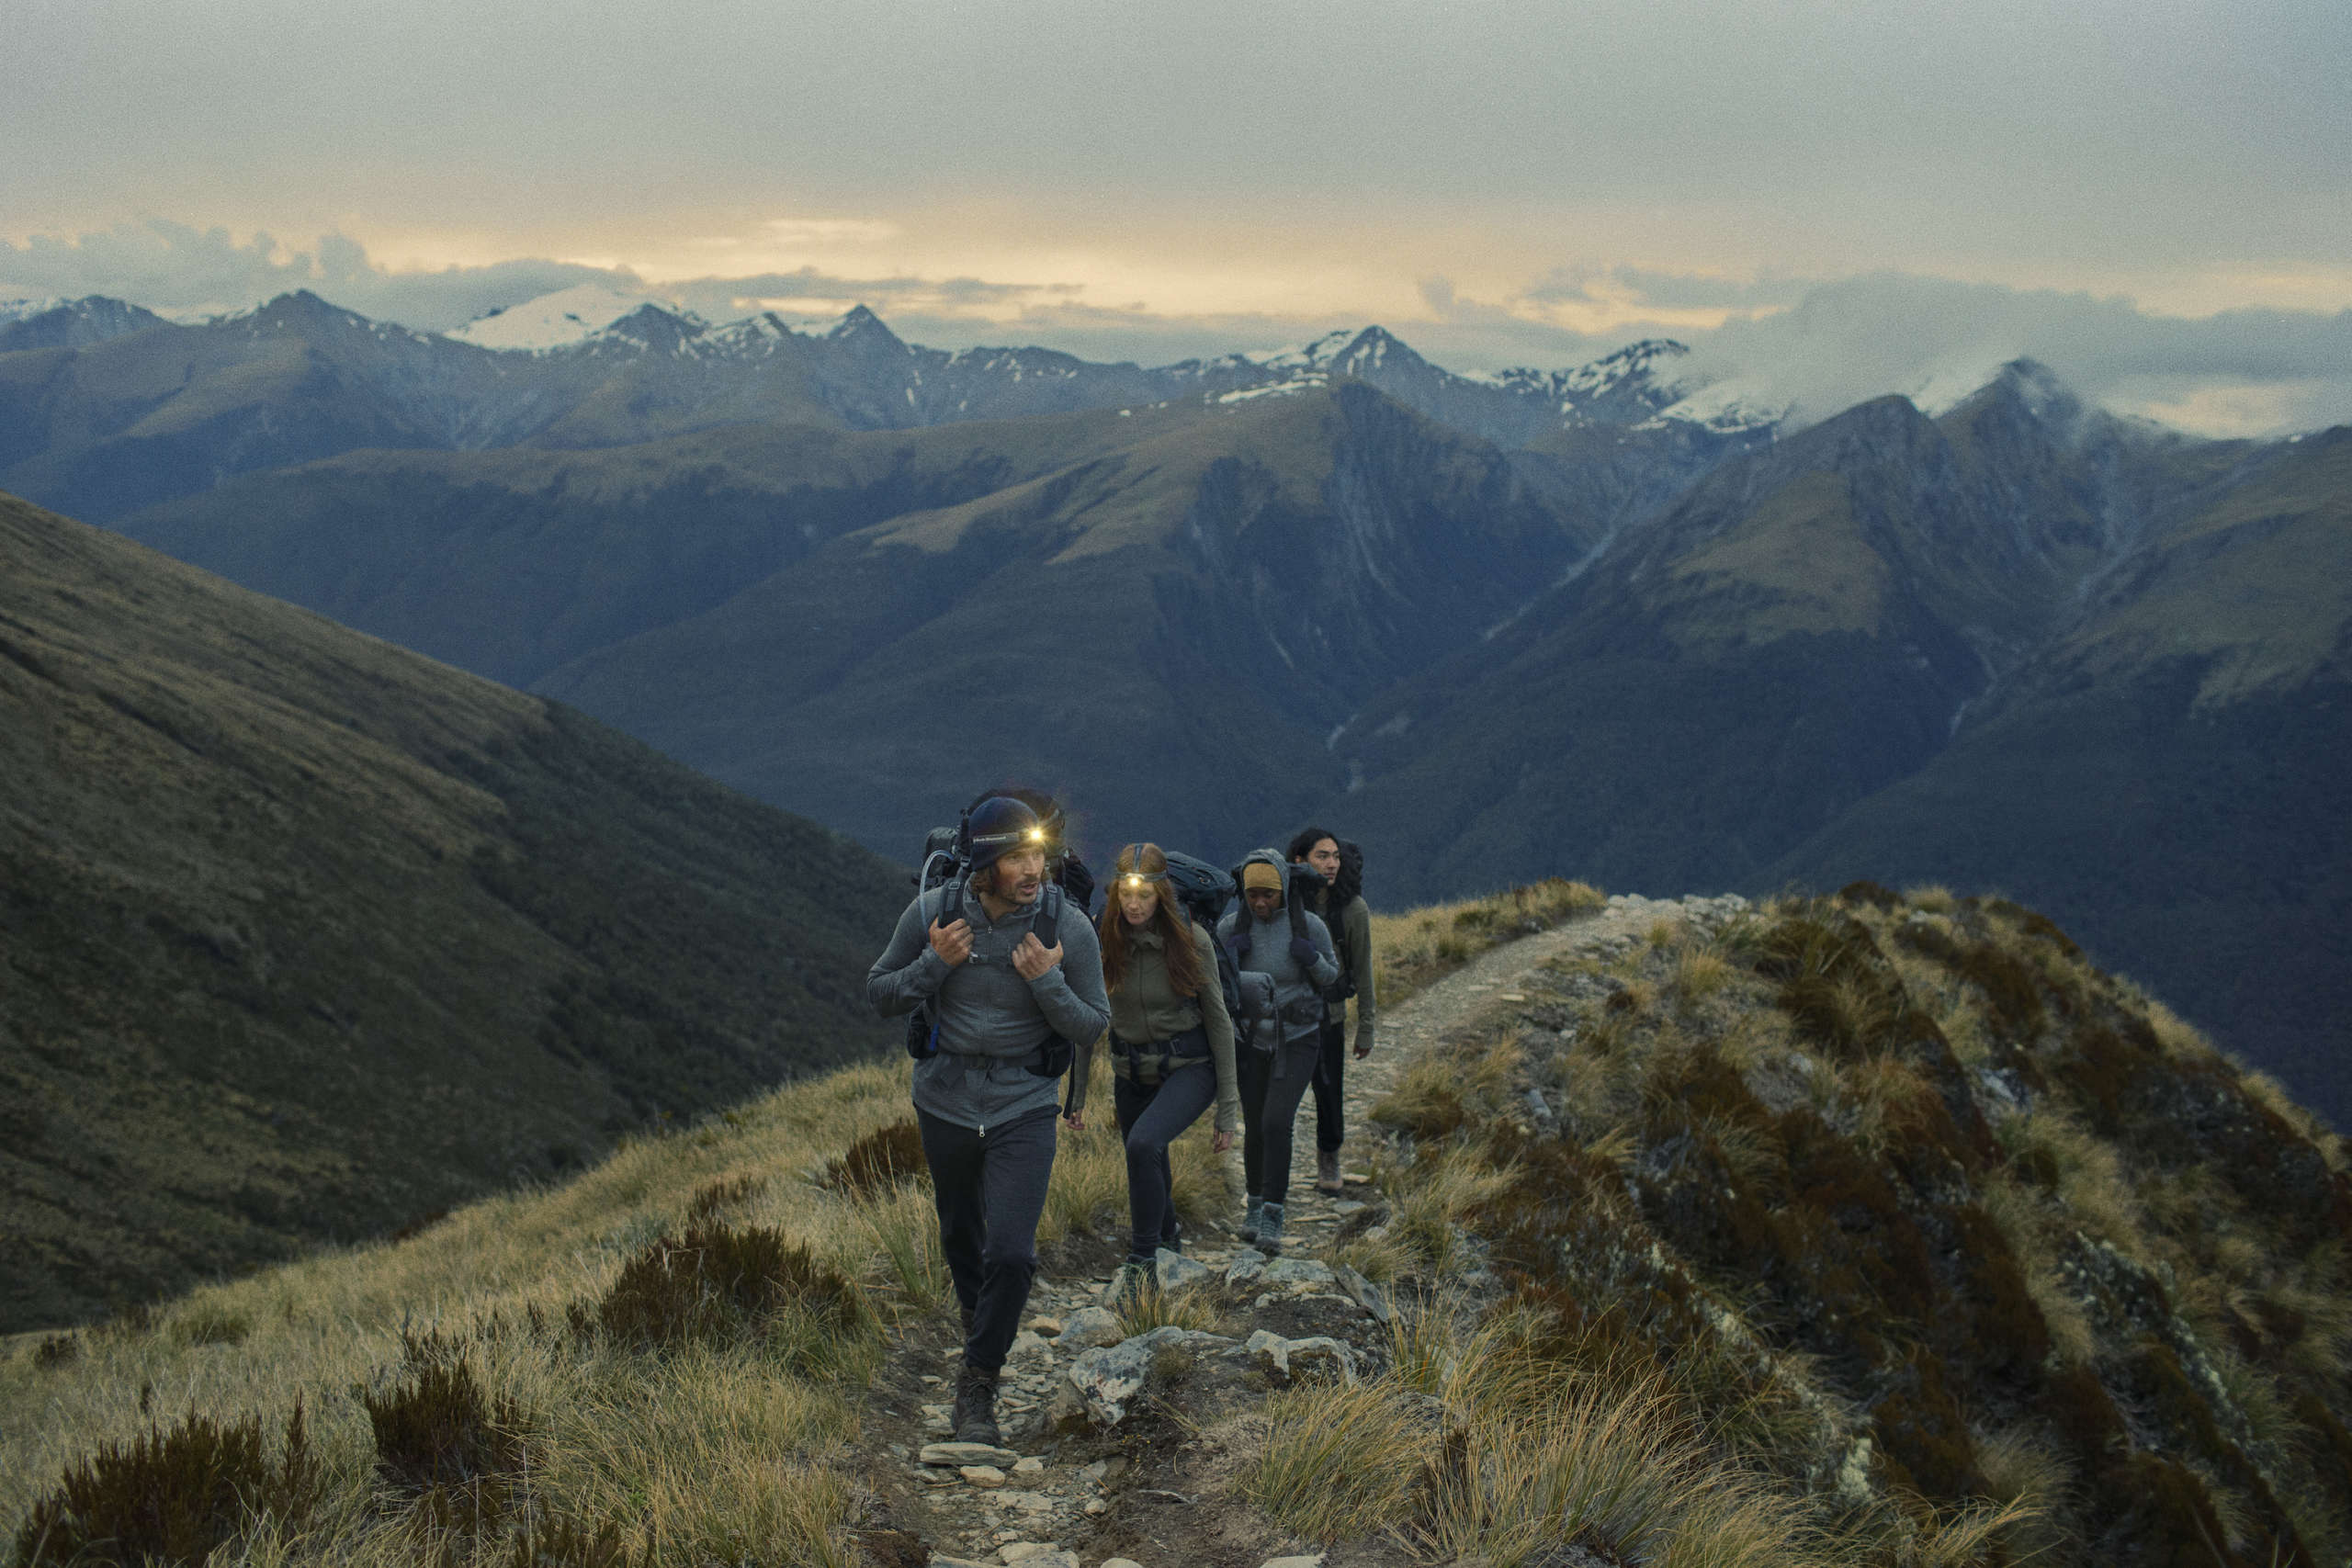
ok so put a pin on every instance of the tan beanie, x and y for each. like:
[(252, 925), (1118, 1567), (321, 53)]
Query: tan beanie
[(1260, 873)]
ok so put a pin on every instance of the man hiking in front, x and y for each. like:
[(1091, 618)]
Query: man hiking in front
[(1001, 1001)]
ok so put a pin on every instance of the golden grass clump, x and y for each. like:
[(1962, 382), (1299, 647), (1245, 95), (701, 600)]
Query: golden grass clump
[(1412, 950)]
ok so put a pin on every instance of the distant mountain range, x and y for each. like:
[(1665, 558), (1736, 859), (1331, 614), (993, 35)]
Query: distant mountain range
[(303, 937), (1606, 621)]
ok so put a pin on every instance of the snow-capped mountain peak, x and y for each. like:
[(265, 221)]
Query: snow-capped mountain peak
[(560, 319)]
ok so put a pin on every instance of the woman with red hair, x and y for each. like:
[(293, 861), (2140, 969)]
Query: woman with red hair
[(1171, 1045)]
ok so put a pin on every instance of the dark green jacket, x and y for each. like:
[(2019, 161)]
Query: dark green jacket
[(1147, 1009), (1352, 934)]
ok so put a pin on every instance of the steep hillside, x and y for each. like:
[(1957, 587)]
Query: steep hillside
[(2167, 777), (302, 936), (1169, 626), (1797, 630)]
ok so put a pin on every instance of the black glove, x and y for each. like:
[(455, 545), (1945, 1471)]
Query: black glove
[(1302, 952)]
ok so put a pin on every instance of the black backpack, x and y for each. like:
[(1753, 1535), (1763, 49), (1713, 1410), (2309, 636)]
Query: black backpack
[(1203, 892), (945, 854), (1346, 888)]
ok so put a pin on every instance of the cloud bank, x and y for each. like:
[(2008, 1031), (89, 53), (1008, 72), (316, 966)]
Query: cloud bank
[(1815, 344)]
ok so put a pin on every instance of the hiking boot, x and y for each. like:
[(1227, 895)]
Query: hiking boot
[(1270, 1229), (974, 1418), (1249, 1219), (1327, 1172)]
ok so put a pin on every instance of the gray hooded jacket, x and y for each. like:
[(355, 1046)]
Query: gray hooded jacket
[(1299, 994), (991, 1022)]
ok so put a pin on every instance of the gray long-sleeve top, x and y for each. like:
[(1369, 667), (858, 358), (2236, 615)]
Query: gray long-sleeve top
[(1270, 955), (991, 1019)]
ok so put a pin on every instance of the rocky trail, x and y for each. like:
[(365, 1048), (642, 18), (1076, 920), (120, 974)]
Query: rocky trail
[(1104, 1471)]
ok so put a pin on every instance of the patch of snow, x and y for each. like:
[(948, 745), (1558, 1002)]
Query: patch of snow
[(1737, 404), (1305, 382), (553, 321)]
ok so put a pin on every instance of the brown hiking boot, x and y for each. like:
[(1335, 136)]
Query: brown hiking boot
[(1327, 1172), (974, 1418)]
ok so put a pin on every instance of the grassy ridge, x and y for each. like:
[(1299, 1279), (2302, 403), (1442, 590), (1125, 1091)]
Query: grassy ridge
[(1958, 1249), (304, 937)]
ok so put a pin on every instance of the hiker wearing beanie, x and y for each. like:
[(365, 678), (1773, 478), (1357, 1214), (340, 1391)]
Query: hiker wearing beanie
[(1171, 1047), (1001, 1002), (1273, 934), (1340, 900)]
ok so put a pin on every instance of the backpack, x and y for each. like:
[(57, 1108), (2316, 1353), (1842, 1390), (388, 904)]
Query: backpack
[(1346, 888), (1203, 892), (946, 863)]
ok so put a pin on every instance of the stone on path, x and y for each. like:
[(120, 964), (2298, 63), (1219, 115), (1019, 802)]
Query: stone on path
[(1034, 1554), (1314, 1562), (1367, 1295), (1174, 1270), (1299, 1271), (1246, 1268), (1280, 1359), (1046, 1324), (954, 1454), (1121, 1562), (987, 1477), (1090, 1327), (1099, 1383), (1029, 1465)]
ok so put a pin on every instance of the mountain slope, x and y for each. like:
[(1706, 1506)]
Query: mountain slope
[(2167, 777), (1169, 627), (302, 936)]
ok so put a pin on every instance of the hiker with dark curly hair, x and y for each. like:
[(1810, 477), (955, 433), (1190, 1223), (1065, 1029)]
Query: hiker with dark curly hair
[(1340, 903), (1001, 1002), (1171, 1047)]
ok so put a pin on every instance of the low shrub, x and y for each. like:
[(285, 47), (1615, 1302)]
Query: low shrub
[(718, 1281), (170, 1496), (716, 1198), (879, 1161), (437, 1430)]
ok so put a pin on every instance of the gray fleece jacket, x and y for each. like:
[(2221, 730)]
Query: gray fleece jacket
[(1298, 995), (991, 1019)]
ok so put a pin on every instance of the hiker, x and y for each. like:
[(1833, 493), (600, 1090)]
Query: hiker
[(1340, 903), (1003, 1004), (1171, 1047), (1271, 933)]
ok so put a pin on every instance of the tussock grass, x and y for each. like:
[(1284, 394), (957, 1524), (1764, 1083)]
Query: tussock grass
[(692, 1447), (1414, 949), (1152, 1307)]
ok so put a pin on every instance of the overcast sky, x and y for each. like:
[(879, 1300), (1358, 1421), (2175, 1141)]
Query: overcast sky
[(2157, 196)]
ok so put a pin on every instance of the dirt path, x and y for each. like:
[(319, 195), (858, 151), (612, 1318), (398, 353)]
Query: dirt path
[(1461, 1002)]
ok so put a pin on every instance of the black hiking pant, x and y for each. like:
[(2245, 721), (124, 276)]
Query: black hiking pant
[(1271, 1084), (990, 1189), (1331, 1073), (1150, 1119)]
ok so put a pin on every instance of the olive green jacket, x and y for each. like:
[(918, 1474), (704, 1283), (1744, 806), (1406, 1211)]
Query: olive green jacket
[(1352, 934), (1145, 1007)]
